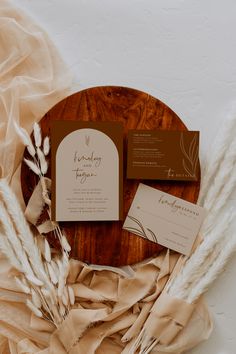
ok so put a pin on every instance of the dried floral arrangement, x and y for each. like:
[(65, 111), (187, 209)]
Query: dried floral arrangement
[(42, 274)]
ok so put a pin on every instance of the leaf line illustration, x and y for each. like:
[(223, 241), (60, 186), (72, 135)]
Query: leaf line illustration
[(141, 230), (190, 164)]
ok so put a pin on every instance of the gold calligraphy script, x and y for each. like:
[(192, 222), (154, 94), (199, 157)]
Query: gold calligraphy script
[(86, 164), (176, 206)]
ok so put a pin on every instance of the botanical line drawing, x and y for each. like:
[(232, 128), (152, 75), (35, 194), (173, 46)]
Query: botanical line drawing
[(140, 230), (191, 156)]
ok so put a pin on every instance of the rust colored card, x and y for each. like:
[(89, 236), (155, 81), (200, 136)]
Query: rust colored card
[(163, 155), (87, 170)]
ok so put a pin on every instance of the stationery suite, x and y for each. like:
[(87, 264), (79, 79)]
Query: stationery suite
[(87, 166), (155, 215), (87, 175)]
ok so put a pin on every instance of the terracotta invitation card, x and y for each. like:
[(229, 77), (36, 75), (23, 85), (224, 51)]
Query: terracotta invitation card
[(87, 170), (164, 219), (164, 155)]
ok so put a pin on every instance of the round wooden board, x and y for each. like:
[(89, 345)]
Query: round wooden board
[(105, 242)]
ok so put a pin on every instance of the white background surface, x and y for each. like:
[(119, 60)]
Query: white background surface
[(180, 51)]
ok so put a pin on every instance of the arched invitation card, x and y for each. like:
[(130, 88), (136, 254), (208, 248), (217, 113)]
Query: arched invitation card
[(87, 170)]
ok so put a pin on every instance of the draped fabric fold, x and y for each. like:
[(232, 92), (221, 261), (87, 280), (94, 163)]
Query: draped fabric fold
[(115, 319), (112, 305)]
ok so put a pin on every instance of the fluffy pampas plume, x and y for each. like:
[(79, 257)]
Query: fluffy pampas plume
[(33, 166), (224, 138), (25, 138), (46, 146), (37, 135), (218, 183)]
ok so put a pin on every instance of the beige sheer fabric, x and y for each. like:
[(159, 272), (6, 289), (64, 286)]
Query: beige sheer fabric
[(32, 79), (112, 305)]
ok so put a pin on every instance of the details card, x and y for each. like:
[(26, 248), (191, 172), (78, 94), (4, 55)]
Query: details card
[(87, 166), (164, 155), (164, 219)]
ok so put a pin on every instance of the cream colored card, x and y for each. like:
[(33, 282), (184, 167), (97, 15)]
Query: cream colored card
[(164, 219), (87, 164)]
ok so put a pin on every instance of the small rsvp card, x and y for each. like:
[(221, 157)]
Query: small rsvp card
[(87, 170), (164, 155), (164, 219)]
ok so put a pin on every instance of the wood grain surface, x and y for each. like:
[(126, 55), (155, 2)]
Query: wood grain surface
[(105, 242)]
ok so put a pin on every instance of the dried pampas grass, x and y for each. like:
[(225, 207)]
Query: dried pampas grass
[(8, 251), (10, 239), (198, 264), (219, 181), (225, 172), (214, 269), (43, 281), (47, 251), (22, 228), (46, 146), (32, 165), (22, 286), (52, 274), (37, 135), (25, 138), (218, 151), (33, 308), (39, 165), (42, 161)]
